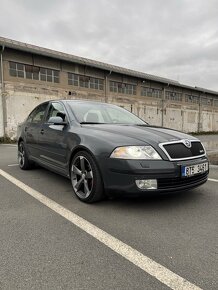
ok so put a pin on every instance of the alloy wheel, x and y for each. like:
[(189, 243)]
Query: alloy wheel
[(21, 155), (82, 177)]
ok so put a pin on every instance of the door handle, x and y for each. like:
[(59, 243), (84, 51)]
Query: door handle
[(25, 129), (42, 131)]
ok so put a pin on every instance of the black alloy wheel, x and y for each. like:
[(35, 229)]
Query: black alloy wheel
[(86, 179), (23, 160)]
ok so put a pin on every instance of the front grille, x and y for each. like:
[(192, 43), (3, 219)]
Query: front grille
[(167, 183), (179, 150)]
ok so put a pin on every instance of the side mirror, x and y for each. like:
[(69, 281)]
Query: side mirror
[(56, 121)]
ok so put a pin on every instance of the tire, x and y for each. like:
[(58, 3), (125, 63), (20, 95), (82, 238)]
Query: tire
[(86, 178), (23, 159)]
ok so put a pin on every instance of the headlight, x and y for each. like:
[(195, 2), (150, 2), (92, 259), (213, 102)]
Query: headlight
[(135, 152)]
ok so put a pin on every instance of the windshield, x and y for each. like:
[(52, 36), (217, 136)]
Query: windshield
[(98, 113)]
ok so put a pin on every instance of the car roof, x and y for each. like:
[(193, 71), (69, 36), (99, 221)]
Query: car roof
[(79, 101), (82, 101), (64, 101)]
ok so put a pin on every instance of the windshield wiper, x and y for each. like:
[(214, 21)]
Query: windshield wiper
[(91, 123), (121, 124)]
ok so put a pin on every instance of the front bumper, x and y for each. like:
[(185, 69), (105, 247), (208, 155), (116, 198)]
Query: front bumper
[(119, 176)]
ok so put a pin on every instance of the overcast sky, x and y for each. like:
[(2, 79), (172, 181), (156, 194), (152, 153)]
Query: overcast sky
[(177, 39)]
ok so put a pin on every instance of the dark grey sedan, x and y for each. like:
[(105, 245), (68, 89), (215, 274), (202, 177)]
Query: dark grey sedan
[(105, 150)]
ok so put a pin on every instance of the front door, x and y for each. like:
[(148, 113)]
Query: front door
[(53, 138)]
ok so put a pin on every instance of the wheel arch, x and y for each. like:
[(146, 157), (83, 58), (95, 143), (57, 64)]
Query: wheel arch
[(83, 148), (19, 140)]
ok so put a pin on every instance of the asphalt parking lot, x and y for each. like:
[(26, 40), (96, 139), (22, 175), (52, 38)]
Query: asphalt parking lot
[(40, 249)]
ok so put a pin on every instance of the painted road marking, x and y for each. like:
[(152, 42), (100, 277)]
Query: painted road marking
[(145, 263), (9, 145), (16, 164), (213, 166), (211, 179)]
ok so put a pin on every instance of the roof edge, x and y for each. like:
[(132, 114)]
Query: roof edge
[(14, 44)]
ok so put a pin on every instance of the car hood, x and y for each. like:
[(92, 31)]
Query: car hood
[(149, 134)]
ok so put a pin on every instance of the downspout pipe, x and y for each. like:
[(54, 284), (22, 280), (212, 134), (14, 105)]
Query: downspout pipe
[(106, 85), (162, 104), (199, 114), (2, 127)]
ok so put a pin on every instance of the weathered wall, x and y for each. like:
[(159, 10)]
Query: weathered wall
[(21, 99), (21, 95), (1, 113)]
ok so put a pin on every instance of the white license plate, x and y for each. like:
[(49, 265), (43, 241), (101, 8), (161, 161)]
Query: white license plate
[(191, 170)]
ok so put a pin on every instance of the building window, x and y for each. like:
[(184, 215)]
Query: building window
[(114, 87), (49, 75), (151, 92), (16, 69), (122, 88), (97, 84), (130, 90), (207, 101), (33, 72), (173, 96), (73, 79), (191, 99), (55, 76), (216, 103), (85, 82)]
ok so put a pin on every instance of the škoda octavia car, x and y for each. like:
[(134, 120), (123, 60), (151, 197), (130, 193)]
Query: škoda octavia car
[(105, 150)]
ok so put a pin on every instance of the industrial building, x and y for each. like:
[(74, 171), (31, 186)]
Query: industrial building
[(30, 74)]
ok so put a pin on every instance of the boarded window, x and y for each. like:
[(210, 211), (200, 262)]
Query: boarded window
[(122, 88), (85, 82)]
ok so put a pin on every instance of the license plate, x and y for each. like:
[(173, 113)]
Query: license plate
[(191, 170)]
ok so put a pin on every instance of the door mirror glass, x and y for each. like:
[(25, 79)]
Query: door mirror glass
[(56, 121)]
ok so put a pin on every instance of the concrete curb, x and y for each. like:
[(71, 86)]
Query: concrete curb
[(213, 156)]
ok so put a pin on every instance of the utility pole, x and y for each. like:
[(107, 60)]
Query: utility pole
[(2, 89)]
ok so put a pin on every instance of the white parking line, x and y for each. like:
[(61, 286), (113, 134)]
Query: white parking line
[(145, 263), (211, 179), (16, 164), (9, 145)]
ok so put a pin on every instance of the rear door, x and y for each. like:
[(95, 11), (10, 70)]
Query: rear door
[(32, 129), (53, 138)]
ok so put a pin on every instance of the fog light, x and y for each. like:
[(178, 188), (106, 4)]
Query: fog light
[(146, 183)]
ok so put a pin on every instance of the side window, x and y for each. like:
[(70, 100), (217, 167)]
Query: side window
[(37, 114), (56, 110)]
